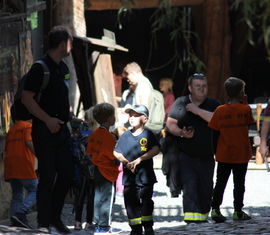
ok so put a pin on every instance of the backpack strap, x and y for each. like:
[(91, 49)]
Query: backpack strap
[(46, 77)]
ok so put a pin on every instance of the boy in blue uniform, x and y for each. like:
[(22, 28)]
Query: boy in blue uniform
[(136, 149)]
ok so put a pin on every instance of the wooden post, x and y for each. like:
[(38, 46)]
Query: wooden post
[(258, 157), (103, 77)]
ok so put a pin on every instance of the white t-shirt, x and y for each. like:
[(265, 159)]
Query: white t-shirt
[(142, 92)]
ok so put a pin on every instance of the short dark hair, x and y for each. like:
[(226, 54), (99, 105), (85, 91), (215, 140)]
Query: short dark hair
[(233, 86), (57, 35), (102, 112), (198, 76)]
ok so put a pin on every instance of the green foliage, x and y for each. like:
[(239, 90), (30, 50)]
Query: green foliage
[(33, 17), (175, 20), (256, 14)]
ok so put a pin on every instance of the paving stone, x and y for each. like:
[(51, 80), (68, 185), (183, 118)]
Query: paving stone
[(168, 213)]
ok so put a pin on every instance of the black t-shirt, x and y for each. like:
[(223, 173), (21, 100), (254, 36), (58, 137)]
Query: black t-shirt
[(133, 147), (201, 145), (54, 99)]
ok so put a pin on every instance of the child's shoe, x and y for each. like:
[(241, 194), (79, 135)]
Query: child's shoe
[(240, 215), (90, 227), (107, 230), (20, 220), (78, 225), (217, 216)]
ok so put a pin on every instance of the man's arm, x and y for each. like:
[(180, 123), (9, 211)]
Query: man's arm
[(204, 114), (264, 135), (30, 103), (174, 129)]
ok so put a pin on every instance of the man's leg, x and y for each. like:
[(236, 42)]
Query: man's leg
[(196, 204), (65, 172), (43, 141), (64, 177)]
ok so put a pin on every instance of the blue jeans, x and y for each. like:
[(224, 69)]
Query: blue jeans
[(18, 202)]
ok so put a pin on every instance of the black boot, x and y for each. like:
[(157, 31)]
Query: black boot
[(59, 226), (149, 231)]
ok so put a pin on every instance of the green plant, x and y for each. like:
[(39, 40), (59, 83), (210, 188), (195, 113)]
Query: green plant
[(175, 20), (256, 14)]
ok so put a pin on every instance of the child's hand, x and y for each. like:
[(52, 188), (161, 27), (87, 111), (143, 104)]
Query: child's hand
[(244, 99), (132, 165)]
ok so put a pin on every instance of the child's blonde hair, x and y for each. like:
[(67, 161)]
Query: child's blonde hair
[(168, 81), (88, 117)]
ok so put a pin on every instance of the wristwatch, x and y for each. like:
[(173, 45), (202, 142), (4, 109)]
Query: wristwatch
[(180, 134)]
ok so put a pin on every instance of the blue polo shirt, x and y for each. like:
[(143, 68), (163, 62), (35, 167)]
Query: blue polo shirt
[(133, 147)]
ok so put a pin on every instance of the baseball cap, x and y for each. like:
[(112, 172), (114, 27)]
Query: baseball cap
[(138, 108)]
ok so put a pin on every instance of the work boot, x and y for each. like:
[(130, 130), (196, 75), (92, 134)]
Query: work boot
[(59, 226), (149, 231)]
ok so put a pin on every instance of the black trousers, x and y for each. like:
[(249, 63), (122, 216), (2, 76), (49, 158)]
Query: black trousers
[(239, 174), (88, 192), (55, 168), (139, 206), (196, 177)]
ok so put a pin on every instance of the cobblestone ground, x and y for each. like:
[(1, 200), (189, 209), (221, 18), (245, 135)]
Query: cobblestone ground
[(168, 214)]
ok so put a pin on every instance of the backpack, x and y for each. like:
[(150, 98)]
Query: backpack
[(83, 166), (18, 110), (156, 111)]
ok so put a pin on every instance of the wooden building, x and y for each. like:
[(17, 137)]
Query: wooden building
[(221, 45)]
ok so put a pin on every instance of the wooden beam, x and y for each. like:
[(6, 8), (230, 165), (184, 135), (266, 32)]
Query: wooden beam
[(40, 6), (139, 4), (19, 5)]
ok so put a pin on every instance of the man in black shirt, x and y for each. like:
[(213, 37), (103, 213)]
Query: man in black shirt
[(51, 136), (196, 152)]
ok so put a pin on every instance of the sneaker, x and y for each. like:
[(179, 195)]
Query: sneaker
[(96, 230), (60, 227), (107, 230), (240, 215), (217, 216), (20, 220), (90, 227), (78, 226), (115, 230)]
